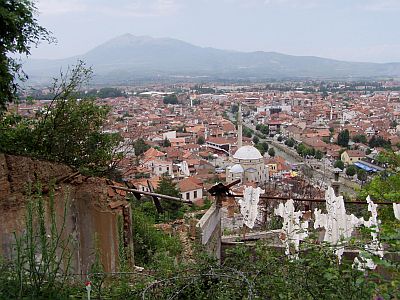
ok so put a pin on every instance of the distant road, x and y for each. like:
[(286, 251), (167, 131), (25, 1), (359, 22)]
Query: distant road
[(322, 173)]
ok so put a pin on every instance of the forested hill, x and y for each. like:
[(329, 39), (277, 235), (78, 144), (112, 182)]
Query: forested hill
[(130, 57)]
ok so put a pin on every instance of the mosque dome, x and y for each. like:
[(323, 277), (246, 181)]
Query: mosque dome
[(236, 169), (247, 152)]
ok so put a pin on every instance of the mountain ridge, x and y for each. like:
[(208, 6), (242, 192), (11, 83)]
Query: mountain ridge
[(129, 57)]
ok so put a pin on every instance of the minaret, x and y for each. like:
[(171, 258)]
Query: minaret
[(240, 125)]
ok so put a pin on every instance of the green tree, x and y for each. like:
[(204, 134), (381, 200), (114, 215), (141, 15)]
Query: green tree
[(339, 164), (362, 175), (201, 140), (234, 108), (67, 131), (19, 32), (343, 138), (170, 99), (385, 185), (290, 142), (360, 138), (166, 186), (140, 146), (264, 129), (378, 141), (256, 140), (351, 170), (318, 154), (166, 143), (262, 147), (271, 152)]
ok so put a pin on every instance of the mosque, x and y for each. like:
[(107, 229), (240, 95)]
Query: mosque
[(247, 164)]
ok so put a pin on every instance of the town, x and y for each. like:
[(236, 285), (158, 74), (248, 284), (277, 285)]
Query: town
[(191, 132)]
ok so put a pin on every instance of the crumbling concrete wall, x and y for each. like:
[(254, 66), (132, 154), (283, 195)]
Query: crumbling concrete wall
[(87, 201), (209, 228)]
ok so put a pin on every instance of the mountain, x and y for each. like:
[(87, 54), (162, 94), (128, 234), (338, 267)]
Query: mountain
[(129, 57)]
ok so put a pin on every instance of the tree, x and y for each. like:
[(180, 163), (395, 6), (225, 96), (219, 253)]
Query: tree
[(378, 141), (234, 108), (247, 132), (19, 32), (343, 138), (170, 99), (339, 164), (256, 140), (351, 170), (382, 186), (362, 175), (140, 146), (167, 187), (166, 143), (264, 129), (318, 154), (67, 131), (201, 140), (262, 147), (290, 142), (280, 138), (271, 152), (360, 138)]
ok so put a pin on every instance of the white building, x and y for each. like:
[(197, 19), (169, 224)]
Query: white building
[(247, 164)]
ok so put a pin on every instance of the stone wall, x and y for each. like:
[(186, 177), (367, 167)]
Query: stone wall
[(87, 201)]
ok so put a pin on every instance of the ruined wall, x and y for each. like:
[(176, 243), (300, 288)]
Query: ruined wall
[(209, 228), (87, 200)]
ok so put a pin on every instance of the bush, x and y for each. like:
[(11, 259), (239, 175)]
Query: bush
[(351, 170), (339, 164)]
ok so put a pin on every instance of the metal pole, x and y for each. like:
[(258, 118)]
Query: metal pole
[(151, 194)]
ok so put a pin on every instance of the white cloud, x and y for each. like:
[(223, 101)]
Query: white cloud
[(382, 5), (123, 8), (57, 7)]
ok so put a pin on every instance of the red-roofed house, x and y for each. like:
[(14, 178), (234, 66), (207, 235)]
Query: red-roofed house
[(191, 190)]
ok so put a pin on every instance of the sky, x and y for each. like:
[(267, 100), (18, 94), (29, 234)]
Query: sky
[(352, 30)]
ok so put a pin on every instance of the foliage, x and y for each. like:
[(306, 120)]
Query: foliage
[(140, 146), (150, 243), (261, 272), (234, 108), (351, 170), (271, 152), (166, 143), (318, 154), (343, 138), (362, 175), (255, 140), (19, 32), (263, 128), (305, 151), (339, 164), (385, 185), (201, 140), (67, 131), (290, 142), (166, 186), (247, 132), (360, 138), (170, 99), (42, 256), (280, 138), (262, 147), (378, 141)]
